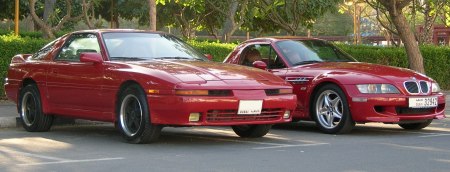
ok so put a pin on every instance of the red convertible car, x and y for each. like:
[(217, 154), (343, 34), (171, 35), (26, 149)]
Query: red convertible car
[(143, 81), (336, 91)]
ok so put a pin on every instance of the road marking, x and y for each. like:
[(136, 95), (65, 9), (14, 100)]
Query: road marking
[(286, 146), (435, 135), (422, 148), (443, 160), (231, 140), (271, 145), (72, 161), (34, 155)]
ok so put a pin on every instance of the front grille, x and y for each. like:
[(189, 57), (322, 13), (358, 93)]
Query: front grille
[(413, 111), (412, 87), (416, 87), (231, 115), (424, 86)]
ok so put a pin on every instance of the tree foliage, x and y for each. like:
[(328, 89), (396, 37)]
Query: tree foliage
[(7, 9), (290, 15)]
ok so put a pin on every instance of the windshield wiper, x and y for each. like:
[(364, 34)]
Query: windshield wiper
[(176, 58), (127, 58), (307, 62)]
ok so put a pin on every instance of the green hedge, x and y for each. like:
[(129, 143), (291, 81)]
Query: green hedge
[(218, 50), (436, 59), (12, 45), (37, 34)]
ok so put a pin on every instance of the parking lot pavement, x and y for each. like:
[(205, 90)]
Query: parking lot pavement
[(291, 147)]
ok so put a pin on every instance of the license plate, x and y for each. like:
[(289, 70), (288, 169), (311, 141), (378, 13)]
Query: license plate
[(247, 107), (422, 102)]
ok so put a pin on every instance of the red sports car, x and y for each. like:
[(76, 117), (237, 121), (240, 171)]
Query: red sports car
[(143, 81), (336, 91)]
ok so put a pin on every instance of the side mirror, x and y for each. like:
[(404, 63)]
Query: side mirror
[(209, 56), (91, 57), (260, 65)]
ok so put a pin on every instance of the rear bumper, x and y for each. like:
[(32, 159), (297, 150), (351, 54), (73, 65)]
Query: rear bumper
[(391, 108), (218, 111)]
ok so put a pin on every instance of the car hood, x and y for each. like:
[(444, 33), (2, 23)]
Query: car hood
[(201, 71), (358, 72)]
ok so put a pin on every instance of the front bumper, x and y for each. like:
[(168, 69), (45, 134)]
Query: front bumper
[(219, 110), (391, 108)]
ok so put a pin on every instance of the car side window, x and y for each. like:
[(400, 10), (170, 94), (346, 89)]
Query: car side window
[(77, 44), (261, 52)]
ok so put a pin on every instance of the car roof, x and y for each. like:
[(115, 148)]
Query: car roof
[(279, 38)]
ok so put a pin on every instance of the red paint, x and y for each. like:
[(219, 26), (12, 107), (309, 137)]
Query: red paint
[(88, 88), (346, 75)]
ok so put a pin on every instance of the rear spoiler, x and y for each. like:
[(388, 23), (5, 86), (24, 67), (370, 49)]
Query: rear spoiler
[(20, 58)]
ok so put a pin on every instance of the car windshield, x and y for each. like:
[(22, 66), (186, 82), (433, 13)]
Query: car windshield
[(136, 46), (298, 52)]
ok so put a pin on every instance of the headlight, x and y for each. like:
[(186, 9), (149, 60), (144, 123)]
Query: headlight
[(377, 89), (435, 87)]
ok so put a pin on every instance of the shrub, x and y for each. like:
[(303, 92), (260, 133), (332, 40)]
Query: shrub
[(36, 34), (12, 45), (219, 51), (436, 59)]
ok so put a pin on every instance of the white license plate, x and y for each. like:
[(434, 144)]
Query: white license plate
[(422, 102), (247, 107)]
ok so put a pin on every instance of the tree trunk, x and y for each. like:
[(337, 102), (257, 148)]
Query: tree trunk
[(427, 33), (152, 14), (48, 9), (406, 35), (46, 29), (229, 24)]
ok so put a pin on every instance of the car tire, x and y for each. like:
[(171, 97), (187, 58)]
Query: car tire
[(330, 110), (251, 131), (416, 126), (30, 110), (133, 116)]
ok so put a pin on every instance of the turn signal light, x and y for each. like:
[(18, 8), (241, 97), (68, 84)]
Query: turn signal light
[(191, 92), (271, 92)]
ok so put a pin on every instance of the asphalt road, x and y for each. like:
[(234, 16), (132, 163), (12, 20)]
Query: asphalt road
[(293, 147)]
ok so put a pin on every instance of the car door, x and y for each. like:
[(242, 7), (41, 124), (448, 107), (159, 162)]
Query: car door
[(74, 87), (268, 55)]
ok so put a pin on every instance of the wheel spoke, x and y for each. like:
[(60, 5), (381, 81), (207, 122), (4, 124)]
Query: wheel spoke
[(129, 120), (330, 119), (136, 124), (326, 99), (335, 102), (323, 111), (337, 115)]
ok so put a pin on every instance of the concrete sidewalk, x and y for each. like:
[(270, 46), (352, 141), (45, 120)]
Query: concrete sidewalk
[(8, 114)]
